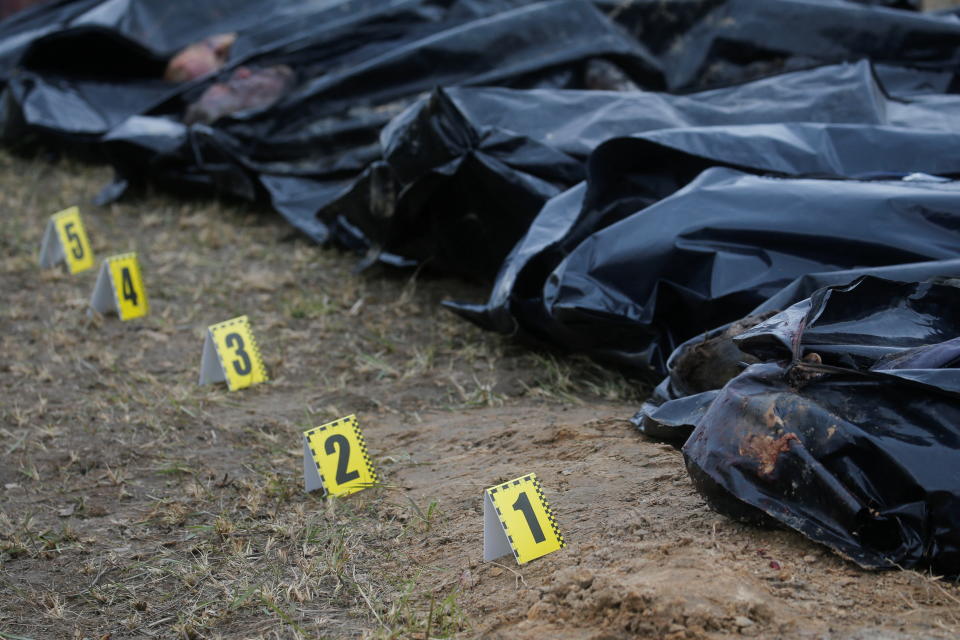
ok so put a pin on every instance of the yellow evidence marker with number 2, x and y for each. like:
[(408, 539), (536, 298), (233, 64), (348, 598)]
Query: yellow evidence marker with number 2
[(65, 240), (335, 458), (120, 288), (517, 518), (230, 353)]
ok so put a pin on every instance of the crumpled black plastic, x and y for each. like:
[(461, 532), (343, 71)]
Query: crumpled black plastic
[(698, 368), (469, 168), (93, 78), (740, 39), (848, 430), (621, 223), (628, 267), (86, 72)]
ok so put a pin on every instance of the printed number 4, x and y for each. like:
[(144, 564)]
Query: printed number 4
[(243, 366), (77, 248), (127, 289), (523, 505), (330, 446)]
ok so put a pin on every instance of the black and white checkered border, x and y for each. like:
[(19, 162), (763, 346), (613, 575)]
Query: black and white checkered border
[(532, 479), (352, 422), (122, 256), (253, 347), (546, 508)]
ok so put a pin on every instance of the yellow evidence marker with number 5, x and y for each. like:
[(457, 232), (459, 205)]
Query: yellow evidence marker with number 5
[(335, 458), (120, 288), (230, 353), (517, 518), (65, 240)]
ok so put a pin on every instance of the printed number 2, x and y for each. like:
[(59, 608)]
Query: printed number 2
[(127, 289), (243, 366), (523, 504), (329, 446), (77, 248)]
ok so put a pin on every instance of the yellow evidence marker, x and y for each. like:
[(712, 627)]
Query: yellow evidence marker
[(517, 518), (230, 353), (335, 458), (65, 240), (120, 288)]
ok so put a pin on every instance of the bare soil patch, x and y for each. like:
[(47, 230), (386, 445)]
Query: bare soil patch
[(136, 504)]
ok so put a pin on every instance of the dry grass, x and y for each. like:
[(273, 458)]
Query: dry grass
[(138, 504)]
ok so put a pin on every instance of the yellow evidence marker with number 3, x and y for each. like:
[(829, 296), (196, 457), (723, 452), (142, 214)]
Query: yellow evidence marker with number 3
[(65, 240), (335, 458), (517, 518), (120, 288), (230, 353)]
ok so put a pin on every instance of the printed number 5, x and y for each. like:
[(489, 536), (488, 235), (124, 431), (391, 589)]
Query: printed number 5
[(77, 248), (330, 446), (243, 366), (523, 505)]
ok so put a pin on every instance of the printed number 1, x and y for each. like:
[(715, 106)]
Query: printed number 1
[(127, 289), (330, 446), (523, 505), (243, 366), (77, 248)]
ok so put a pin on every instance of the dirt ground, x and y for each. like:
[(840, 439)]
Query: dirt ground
[(136, 504)]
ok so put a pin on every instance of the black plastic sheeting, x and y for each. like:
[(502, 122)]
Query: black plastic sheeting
[(467, 169), (699, 367), (603, 272), (358, 63), (89, 72), (689, 189), (741, 37), (847, 431)]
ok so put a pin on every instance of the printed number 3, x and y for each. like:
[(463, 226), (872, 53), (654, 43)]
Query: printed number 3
[(330, 446), (523, 505), (77, 248), (126, 286), (243, 366)]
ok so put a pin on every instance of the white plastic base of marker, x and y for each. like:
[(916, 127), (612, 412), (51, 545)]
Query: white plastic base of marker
[(51, 251), (210, 368), (311, 477), (103, 299), (495, 542)]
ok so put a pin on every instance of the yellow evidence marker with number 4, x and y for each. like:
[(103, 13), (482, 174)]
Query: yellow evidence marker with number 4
[(230, 353), (517, 518), (119, 288), (335, 458), (65, 240)]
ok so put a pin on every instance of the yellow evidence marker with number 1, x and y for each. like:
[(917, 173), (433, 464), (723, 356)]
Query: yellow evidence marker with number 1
[(65, 240), (335, 458), (230, 353), (517, 518), (120, 288)]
